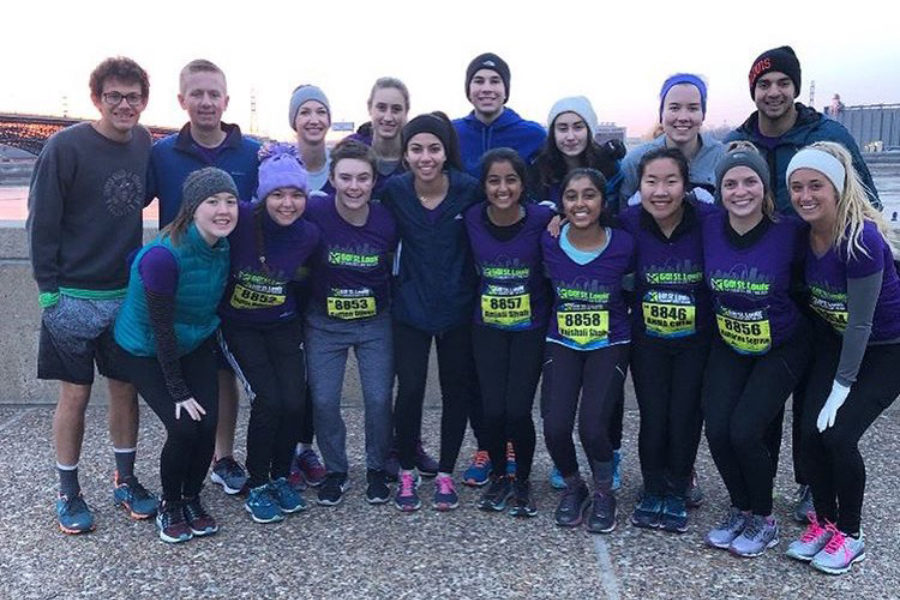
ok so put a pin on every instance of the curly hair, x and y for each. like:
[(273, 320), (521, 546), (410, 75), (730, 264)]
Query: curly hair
[(122, 68)]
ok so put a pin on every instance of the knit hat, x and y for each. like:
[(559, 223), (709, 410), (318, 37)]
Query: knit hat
[(776, 60), (301, 95), (677, 79), (741, 157), (821, 161), (280, 167), (491, 61), (579, 105), (427, 123), (202, 184)]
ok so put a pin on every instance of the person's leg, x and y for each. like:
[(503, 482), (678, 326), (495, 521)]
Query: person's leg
[(200, 373), (68, 433), (526, 356), (493, 354), (459, 383), (685, 416), (375, 360), (286, 353), (600, 375), (228, 409), (563, 372), (652, 373), (124, 419), (327, 347), (411, 349)]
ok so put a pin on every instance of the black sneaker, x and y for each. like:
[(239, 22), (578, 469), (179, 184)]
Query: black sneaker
[(495, 496), (603, 513), (522, 504), (200, 521), (695, 492), (570, 510), (377, 490), (803, 504), (331, 492)]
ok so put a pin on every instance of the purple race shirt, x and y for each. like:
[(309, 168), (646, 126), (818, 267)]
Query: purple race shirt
[(750, 285), (513, 293), (671, 297), (351, 276), (258, 294), (827, 278), (589, 309)]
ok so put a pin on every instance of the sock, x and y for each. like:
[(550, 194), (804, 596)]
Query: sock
[(125, 462), (442, 474), (68, 480)]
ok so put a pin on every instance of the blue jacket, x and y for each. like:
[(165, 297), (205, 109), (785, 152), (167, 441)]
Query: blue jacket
[(435, 279), (508, 131), (811, 126), (175, 156)]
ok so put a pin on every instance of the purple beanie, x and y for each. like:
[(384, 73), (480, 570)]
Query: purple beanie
[(280, 167)]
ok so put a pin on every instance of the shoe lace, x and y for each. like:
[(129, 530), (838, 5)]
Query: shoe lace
[(732, 520), (569, 500), (407, 485), (75, 505), (172, 514), (813, 531), (837, 541), (194, 510), (231, 466), (480, 459), (445, 485), (753, 528), (139, 491)]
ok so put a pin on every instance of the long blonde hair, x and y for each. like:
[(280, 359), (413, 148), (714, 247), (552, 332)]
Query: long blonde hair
[(854, 208)]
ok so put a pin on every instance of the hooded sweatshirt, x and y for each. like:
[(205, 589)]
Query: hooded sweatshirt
[(509, 130)]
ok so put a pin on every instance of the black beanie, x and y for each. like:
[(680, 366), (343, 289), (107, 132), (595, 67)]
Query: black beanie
[(427, 123), (491, 61), (778, 60)]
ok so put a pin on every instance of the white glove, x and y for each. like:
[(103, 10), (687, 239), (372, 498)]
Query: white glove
[(191, 407), (836, 399)]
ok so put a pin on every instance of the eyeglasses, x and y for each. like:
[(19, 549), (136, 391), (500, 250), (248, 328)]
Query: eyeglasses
[(114, 98)]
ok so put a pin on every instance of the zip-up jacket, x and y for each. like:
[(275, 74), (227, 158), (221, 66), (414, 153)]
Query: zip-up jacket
[(509, 130)]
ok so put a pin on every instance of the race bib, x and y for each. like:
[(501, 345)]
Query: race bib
[(834, 313), (246, 298), (668, 314), (351, 308), (506, 311), (584, 327), (747, 333)]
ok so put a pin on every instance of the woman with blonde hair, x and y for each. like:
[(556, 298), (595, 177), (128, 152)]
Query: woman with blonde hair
[(855, 294)]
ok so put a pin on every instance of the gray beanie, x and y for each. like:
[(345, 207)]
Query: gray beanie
[(304, 93), (202, 184), (579, 105), (741, 157)]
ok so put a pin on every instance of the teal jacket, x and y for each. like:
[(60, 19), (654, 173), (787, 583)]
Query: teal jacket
[(202, 274)]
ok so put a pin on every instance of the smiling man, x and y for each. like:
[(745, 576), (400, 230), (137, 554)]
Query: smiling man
[(84, 219), (780, 126), (492, 124)]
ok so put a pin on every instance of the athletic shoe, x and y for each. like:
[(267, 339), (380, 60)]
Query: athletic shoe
[(407, 498), (286, 497), (813, 540), (262, 506), (648, 512), (760, 534), (377, 490), (617, 472), (603, 513), (479, 471), (170, 521), (803, 504), (228, 473), (556, 479), (332, 490), (198, 520), (729, 528), (425, 464), (134, 497), (840, 552), (74, 515), (497, 493), (574, 499), (522, 504), (295, 478), (674, 515), (311, 467), (445, 497), (392, 466), (510, 460), (695, 492)]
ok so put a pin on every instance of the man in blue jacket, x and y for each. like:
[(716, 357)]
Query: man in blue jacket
[(491, 124), (780, 127), (205, 141)]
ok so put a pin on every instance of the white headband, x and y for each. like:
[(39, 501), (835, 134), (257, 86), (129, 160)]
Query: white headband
[(821, 161)]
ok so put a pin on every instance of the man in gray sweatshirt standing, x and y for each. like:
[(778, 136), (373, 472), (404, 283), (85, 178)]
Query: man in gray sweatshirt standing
[(84, 220)]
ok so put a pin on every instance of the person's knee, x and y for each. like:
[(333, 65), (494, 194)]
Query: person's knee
[(838, 441), (744, 436)]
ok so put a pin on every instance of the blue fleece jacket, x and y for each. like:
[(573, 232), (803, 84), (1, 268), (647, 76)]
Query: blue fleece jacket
[(509, 130), (811, 126), (175, 156)]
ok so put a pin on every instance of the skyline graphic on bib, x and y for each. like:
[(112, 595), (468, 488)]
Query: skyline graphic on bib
[(674, 272)]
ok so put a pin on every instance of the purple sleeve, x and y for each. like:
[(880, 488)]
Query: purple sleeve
[(159, 271), (861, 265)]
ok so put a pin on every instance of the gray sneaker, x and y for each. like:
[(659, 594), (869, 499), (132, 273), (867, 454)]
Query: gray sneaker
[(840, 552), (759, 534), (730, 527), (811, 542), (803, 504)]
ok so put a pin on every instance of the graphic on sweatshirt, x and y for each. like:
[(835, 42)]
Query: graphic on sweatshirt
[(123, 193)]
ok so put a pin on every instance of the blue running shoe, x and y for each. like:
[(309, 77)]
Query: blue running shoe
[(556, 479), (407, 498), (479, 471), (617, 472), (648, 512), (840, 552), (262, 505), (228, 473), (445, 497), (286, 497), (674, 514), (131, 495), (74, 515)]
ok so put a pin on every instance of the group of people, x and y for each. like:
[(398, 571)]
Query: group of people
[(726, 277)]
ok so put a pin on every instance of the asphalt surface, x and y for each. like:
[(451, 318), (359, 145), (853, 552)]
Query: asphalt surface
[(360, 551)]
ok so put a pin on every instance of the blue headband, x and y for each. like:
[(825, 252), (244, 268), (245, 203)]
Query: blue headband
[(677, 79)]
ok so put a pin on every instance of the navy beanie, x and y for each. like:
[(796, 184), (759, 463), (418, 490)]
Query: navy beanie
[(491, 61), (776, 60)]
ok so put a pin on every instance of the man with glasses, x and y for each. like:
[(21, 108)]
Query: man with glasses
[(84, 219)]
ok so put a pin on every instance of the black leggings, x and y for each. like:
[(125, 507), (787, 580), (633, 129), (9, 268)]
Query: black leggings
[(832, 462), (589, 374), (459, 387), (190, 444), (271, 359), (743, 398), (668, 379), (509, 366)]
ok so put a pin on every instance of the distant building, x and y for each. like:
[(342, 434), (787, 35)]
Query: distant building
[(609, 131)]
